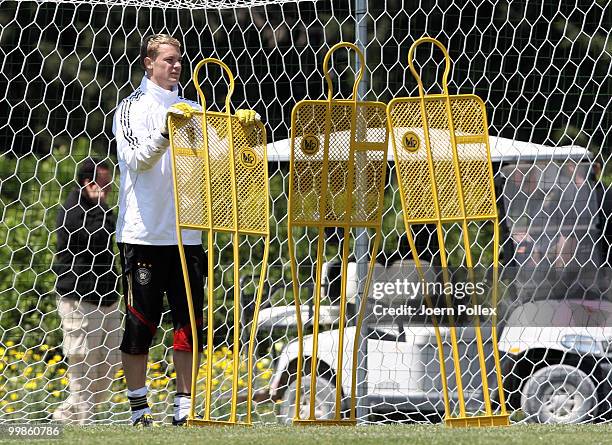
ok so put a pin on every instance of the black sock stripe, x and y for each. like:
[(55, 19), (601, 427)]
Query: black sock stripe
[(183, 394), (139, 402), (139, 407)]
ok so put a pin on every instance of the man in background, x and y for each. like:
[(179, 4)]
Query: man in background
[(87, 300)]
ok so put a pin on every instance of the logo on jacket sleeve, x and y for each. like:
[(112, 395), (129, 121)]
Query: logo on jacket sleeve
[(143, 274)]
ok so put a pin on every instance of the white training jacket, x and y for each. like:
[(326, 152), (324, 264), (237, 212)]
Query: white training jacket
[(146, 196)]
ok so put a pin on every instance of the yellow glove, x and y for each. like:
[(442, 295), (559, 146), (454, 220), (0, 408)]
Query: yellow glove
[(247, 117), (181, 109)]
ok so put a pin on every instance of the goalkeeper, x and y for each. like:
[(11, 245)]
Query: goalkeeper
[(146, 231)]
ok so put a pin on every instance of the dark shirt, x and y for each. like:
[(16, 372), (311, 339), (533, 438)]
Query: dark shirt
[(84, 262)]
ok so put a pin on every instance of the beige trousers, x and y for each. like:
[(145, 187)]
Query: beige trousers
[(92, 335)]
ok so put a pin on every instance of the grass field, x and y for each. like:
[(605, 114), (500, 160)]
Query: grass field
[(376, 434)]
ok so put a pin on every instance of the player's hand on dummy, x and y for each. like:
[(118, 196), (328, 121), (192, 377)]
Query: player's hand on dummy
[(247, 117), (182, 110)]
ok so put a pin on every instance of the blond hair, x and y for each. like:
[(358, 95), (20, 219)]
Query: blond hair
[(150, 46)]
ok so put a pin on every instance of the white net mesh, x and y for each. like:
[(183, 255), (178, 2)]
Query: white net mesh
[(178, 4), (542, 68)]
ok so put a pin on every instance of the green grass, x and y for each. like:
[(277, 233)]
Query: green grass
[(371, 434)]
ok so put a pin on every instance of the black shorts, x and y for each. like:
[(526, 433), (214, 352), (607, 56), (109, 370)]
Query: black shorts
[(148, 273)]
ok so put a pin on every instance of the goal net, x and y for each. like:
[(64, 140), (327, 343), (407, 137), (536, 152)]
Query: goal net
[(542, 69)]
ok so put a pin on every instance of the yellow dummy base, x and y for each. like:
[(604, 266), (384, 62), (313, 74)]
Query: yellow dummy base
[(331, 422), (478, 421), (202, 422)]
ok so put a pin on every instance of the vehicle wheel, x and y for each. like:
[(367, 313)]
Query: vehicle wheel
[(325, 405), (559, 394)]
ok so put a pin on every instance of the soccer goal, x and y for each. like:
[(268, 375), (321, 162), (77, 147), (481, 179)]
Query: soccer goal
[(542, 69)]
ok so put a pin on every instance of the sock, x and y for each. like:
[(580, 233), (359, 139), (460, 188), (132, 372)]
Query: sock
[(182, 405), (138, 402)]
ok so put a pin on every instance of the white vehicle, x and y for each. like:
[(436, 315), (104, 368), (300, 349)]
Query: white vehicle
[(556, 359)]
